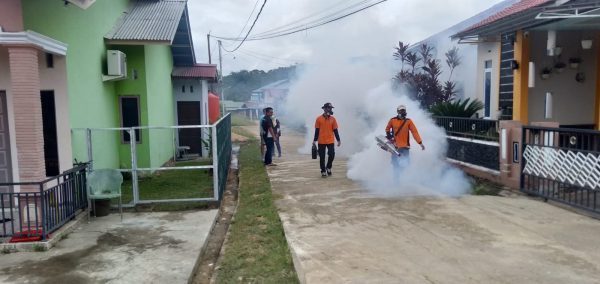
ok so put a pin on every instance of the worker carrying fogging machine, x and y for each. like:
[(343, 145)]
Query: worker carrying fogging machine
[(397, 140)]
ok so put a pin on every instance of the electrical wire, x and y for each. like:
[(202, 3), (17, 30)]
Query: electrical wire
[(303, 25), (317, 25), (294, 22), (250, 30), (249, 17), (314, 24), (269, 56), (266, 58)]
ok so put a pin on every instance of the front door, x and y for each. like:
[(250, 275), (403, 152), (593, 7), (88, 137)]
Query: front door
[(50, 136), (188, 113), (487, 88), (5, 161)]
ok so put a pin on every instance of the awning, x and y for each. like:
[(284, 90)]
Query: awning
[(529, 14), (199, 71), (149, 21)]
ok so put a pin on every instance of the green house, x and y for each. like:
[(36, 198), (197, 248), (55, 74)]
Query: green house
[(119, 63)]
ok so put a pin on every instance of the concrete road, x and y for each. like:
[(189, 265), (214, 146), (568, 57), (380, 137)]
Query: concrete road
[(157, 247), (339, 234)]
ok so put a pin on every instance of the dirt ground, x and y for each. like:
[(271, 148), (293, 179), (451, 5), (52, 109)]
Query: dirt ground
[(339, 234)]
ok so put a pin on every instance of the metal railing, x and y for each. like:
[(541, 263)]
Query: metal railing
[(222, 156), (480, 129), (42, 207), (562, 165), (218, 140), (250, 113)]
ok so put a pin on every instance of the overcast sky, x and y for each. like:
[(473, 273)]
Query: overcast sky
[(373, 32)]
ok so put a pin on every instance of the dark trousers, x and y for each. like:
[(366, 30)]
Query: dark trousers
[(278, 146), (330, 154), (269, 152)]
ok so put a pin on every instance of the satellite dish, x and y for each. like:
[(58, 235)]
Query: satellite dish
[(83, 4)]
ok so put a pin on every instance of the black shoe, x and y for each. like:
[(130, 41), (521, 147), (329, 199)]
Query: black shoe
[(328, 172), (324, 174)]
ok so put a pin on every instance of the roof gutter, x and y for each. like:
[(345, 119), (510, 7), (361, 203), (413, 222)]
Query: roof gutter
[(41, 41)]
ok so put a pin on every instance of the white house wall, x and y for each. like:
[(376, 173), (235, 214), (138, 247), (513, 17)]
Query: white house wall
[(200, 94), (488, 51), (573, 102)]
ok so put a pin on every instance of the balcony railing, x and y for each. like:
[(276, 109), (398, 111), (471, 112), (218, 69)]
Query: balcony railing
[(41, 208), (479, 129)]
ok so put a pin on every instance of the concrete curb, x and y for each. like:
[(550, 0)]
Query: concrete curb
[(227, 235), (46, 245), (300, 273), (203, 249)]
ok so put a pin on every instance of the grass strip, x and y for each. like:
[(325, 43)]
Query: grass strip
[(239, 120), (256, 250), (172, 184), (244, 132)]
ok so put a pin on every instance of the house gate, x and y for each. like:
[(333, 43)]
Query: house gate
[(562, 165)]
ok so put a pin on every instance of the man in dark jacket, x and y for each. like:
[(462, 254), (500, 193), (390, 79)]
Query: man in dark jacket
[(269, 136)]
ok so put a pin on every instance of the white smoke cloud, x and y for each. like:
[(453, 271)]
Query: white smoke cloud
[(360, 89)]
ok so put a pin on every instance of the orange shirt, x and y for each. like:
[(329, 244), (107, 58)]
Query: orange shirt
[(402, 139), (326, 127)]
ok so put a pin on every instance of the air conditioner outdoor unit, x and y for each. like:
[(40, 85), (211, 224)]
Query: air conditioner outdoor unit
[(117, 63), (83, 4)]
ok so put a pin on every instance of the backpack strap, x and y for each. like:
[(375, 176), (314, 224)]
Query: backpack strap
[(401, 126)]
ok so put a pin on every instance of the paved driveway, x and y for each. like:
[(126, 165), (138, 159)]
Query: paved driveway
[(338, 234)]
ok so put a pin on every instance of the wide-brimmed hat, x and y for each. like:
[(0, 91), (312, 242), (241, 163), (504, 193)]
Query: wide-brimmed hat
[(327, 105)]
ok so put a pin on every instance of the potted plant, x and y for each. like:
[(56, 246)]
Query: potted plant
[(560, 67), (574, 62), (546, 73)]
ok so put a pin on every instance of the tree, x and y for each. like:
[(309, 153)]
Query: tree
[(239, 85), (423, 77), (457, 108), (401, 52)]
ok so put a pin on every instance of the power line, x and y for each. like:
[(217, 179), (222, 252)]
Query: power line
[(303, 25), (269, 56), (303, 18), (251, 27), (249, 17), (308, 27), (320, 24)]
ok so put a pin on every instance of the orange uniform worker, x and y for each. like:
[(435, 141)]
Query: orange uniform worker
[(326, 129), (397, 130)]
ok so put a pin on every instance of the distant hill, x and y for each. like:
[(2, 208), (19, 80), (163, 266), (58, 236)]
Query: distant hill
[(239, 85)]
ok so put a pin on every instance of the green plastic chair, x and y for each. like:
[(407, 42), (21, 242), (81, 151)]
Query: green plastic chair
[(104, 184)]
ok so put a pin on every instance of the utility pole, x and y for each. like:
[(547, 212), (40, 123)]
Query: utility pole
[(221, 77), (208, 40), (220, 62)]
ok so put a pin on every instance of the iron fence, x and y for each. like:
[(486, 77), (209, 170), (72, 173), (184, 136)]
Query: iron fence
[(250, 113), (222, 158), (480, 129), (41, 208), (562, 165), (159, 151)]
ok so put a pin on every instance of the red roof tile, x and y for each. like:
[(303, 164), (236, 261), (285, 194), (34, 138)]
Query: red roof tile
[(208, 71), (518, 7)]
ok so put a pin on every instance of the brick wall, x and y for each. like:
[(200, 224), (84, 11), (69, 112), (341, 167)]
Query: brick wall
[(25, 81)]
